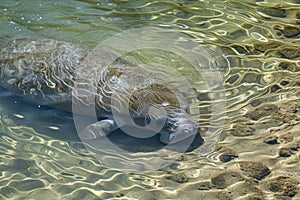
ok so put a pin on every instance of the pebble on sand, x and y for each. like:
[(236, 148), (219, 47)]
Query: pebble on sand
[(225, 179), (255, 170), (283, 185)]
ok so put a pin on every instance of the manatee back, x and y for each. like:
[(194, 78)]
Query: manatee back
[(41, 70)]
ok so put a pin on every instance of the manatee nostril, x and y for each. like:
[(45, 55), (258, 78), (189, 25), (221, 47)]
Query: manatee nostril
[(188, 128), (114, 80)]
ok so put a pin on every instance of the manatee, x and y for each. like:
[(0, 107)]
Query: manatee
[(46, 71)]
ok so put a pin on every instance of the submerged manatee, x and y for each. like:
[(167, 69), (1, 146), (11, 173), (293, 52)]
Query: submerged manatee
[(45, 71)]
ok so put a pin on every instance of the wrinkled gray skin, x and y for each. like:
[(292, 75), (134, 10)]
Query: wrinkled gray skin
[(46, 72)]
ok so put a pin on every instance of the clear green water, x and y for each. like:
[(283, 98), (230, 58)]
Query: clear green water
[(41, 157)]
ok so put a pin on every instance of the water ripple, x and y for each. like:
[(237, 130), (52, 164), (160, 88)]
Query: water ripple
[(259, 41)]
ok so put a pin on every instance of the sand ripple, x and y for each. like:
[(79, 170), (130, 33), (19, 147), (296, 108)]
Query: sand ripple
[(260, 45)]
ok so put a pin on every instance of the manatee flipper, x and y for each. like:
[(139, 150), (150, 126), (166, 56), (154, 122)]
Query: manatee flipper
[(99, 129)]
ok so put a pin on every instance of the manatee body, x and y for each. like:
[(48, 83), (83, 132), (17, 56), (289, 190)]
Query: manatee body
[(51, 72)]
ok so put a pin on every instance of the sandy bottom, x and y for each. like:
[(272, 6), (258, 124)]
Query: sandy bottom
[(257, 155), (256, 159)]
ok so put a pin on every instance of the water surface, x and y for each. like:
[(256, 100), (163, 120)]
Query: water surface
[(42, 157)]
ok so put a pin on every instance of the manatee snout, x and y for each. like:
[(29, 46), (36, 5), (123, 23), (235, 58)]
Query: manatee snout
[(180, 127)]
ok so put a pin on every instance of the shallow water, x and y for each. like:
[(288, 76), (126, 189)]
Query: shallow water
[(41, 155)]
